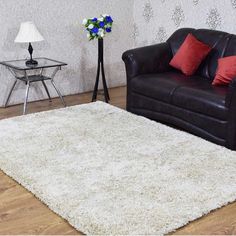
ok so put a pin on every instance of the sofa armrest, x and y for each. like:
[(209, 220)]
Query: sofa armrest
[(231, 95), (146, 60)]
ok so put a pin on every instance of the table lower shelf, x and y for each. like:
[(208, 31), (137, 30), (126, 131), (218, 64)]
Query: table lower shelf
[(34, 78)]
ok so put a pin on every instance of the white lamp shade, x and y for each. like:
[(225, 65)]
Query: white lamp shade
[(28, 33)]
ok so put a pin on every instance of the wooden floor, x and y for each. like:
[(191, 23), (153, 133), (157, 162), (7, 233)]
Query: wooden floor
[(21, 213)]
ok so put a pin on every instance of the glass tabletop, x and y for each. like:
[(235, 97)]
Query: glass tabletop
[(42, 63)]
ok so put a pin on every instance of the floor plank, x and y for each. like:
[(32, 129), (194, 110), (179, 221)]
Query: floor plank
[(22, 213)]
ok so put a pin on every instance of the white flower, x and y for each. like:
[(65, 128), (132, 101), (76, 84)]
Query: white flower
[(104, 15), (101, 19), (88, 36), (91, 26), (101, 32), (85, 21)]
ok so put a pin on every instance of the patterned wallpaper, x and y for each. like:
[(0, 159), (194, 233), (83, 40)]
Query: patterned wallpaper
[(136, 23), (156, 20), (59, 21)]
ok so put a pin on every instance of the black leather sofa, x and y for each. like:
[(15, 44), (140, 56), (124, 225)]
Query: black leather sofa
[(161, 93)]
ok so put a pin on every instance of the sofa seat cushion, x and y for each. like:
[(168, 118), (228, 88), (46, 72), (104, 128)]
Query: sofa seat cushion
[(194, 93), (160, 86), (202, 98)]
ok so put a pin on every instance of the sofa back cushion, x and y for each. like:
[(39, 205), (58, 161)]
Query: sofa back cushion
[(223, 44)]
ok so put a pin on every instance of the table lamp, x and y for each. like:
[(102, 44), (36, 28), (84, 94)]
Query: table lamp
[(28, 33)]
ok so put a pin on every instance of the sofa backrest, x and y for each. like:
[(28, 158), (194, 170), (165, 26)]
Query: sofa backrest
[(223, 45)]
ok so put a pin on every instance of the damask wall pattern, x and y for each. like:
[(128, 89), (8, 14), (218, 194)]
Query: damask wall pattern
[(59, 21), (136, 23), (156, 20)]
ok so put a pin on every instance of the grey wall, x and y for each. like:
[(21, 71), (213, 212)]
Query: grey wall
[(59, 21), (136, 23), (156, 20)]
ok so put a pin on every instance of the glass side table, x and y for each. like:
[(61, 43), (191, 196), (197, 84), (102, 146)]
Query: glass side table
[(22, 72)]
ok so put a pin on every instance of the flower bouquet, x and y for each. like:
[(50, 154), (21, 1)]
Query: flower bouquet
[(98, 27)]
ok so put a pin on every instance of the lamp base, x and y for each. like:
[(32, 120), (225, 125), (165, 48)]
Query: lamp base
[(31, 62)]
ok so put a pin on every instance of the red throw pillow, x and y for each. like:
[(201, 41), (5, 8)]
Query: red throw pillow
[(190, 55), (226, 71)]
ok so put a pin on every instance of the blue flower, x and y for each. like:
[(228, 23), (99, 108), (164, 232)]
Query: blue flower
[(108, 30), (94, 19), (95, 30), (101, 24), (109, 19)]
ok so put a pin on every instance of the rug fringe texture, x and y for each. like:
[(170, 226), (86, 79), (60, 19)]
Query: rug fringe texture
[(107, 171)]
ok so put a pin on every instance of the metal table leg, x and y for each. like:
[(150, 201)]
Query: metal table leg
[(13, 72), (46, 89), (44, 84), (57, 90), (10, 93), (26, 97)]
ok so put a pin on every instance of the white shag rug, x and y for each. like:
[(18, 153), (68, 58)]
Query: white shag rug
[(107, 171)]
